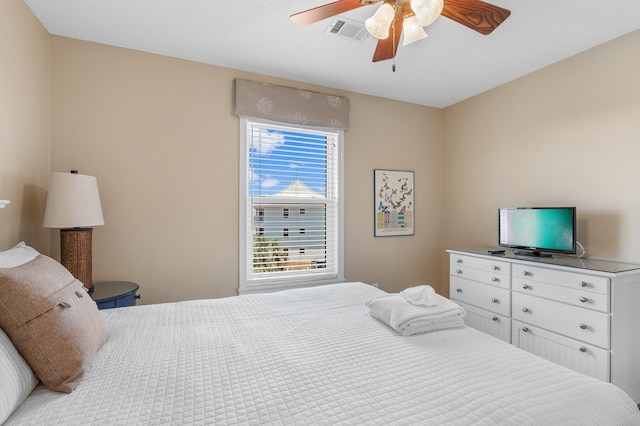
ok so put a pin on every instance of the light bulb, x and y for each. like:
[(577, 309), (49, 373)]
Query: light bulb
[(378, 25), (427, 11), (412, 30)]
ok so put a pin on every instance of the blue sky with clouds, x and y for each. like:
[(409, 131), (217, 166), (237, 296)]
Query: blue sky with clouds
[(278, 157)]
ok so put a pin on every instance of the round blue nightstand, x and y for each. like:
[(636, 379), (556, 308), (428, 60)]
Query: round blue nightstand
[(114, 294)]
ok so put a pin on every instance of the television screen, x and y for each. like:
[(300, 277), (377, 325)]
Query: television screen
[(538, 230)]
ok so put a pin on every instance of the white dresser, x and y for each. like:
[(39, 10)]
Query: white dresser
[(580, 313)]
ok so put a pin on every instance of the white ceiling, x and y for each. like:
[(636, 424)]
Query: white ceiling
[(452, 64)]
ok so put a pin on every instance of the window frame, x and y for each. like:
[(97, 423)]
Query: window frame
[(247, 286)]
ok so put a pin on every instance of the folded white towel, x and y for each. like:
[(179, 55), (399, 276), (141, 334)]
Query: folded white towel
[(420, 326), (420, 295), (408, 319)]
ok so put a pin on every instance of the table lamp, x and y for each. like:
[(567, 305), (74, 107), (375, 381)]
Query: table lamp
[(73, 205)]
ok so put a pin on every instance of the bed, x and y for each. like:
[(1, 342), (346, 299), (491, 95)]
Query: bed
[(312, 356)]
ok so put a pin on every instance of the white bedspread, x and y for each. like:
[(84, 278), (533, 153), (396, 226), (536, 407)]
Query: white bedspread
[(314, 356)]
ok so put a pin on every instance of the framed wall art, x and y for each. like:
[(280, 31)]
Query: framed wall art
[(393, 203)]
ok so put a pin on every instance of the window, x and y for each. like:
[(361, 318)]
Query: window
[(292, 174)]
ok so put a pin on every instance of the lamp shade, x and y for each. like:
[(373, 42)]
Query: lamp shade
[(412, 30), (378, 25), (73, 202), (427, 11)]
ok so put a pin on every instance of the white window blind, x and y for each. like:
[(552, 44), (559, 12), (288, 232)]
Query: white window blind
[(290, 226)]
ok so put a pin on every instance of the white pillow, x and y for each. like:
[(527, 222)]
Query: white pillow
[(17, 381), (18, 255)]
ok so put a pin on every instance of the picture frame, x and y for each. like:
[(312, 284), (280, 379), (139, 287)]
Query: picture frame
[(393, 205)]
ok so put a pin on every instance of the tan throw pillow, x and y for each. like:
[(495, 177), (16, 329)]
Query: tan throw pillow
[(51, 320)]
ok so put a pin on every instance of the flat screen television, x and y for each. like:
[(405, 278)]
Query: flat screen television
[(537, 231)]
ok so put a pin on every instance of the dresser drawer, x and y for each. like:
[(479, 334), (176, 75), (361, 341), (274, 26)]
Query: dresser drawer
[(581, 298), (573, 280), (577, 323), (490, 265), (584, 358), (486, 277), (488, 322), (487, 297)]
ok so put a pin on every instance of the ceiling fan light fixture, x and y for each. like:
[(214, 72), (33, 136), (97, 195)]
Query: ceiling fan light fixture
[(378, 25), (412, 30), (427, 11), (477, 15)]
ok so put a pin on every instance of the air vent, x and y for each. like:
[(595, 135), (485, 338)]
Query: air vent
[(347, 29)]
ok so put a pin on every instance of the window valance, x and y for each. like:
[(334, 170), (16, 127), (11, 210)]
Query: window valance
[(290, 105)]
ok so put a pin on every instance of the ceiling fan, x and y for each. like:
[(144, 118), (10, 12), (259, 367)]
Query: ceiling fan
[(395, 16)]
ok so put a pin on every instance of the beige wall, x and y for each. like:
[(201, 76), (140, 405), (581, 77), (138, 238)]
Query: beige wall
[(393, 135), (161, 137), (24, 125), (565, 135)]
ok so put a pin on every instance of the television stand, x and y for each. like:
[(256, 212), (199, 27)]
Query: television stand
[(577, 312), (532, 253)]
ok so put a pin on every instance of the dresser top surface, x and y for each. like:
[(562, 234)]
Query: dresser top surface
[(558, 260)]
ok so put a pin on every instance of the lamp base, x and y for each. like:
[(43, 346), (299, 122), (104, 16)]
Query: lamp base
[(76, 254)]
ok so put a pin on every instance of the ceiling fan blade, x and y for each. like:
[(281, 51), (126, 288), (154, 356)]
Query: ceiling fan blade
[(475, 14), (387, 48), (326, 11)]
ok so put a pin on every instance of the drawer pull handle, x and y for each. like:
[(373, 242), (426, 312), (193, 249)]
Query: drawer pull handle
[(583, 326), (459, 290), (583, 349), (525, 329), (496, 268), (458, 271), (525, 310), (495, 318), (495, 279), (526, 287), (459, 260), (526, 273), (494, 300), (584, 284), (584, 299)]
